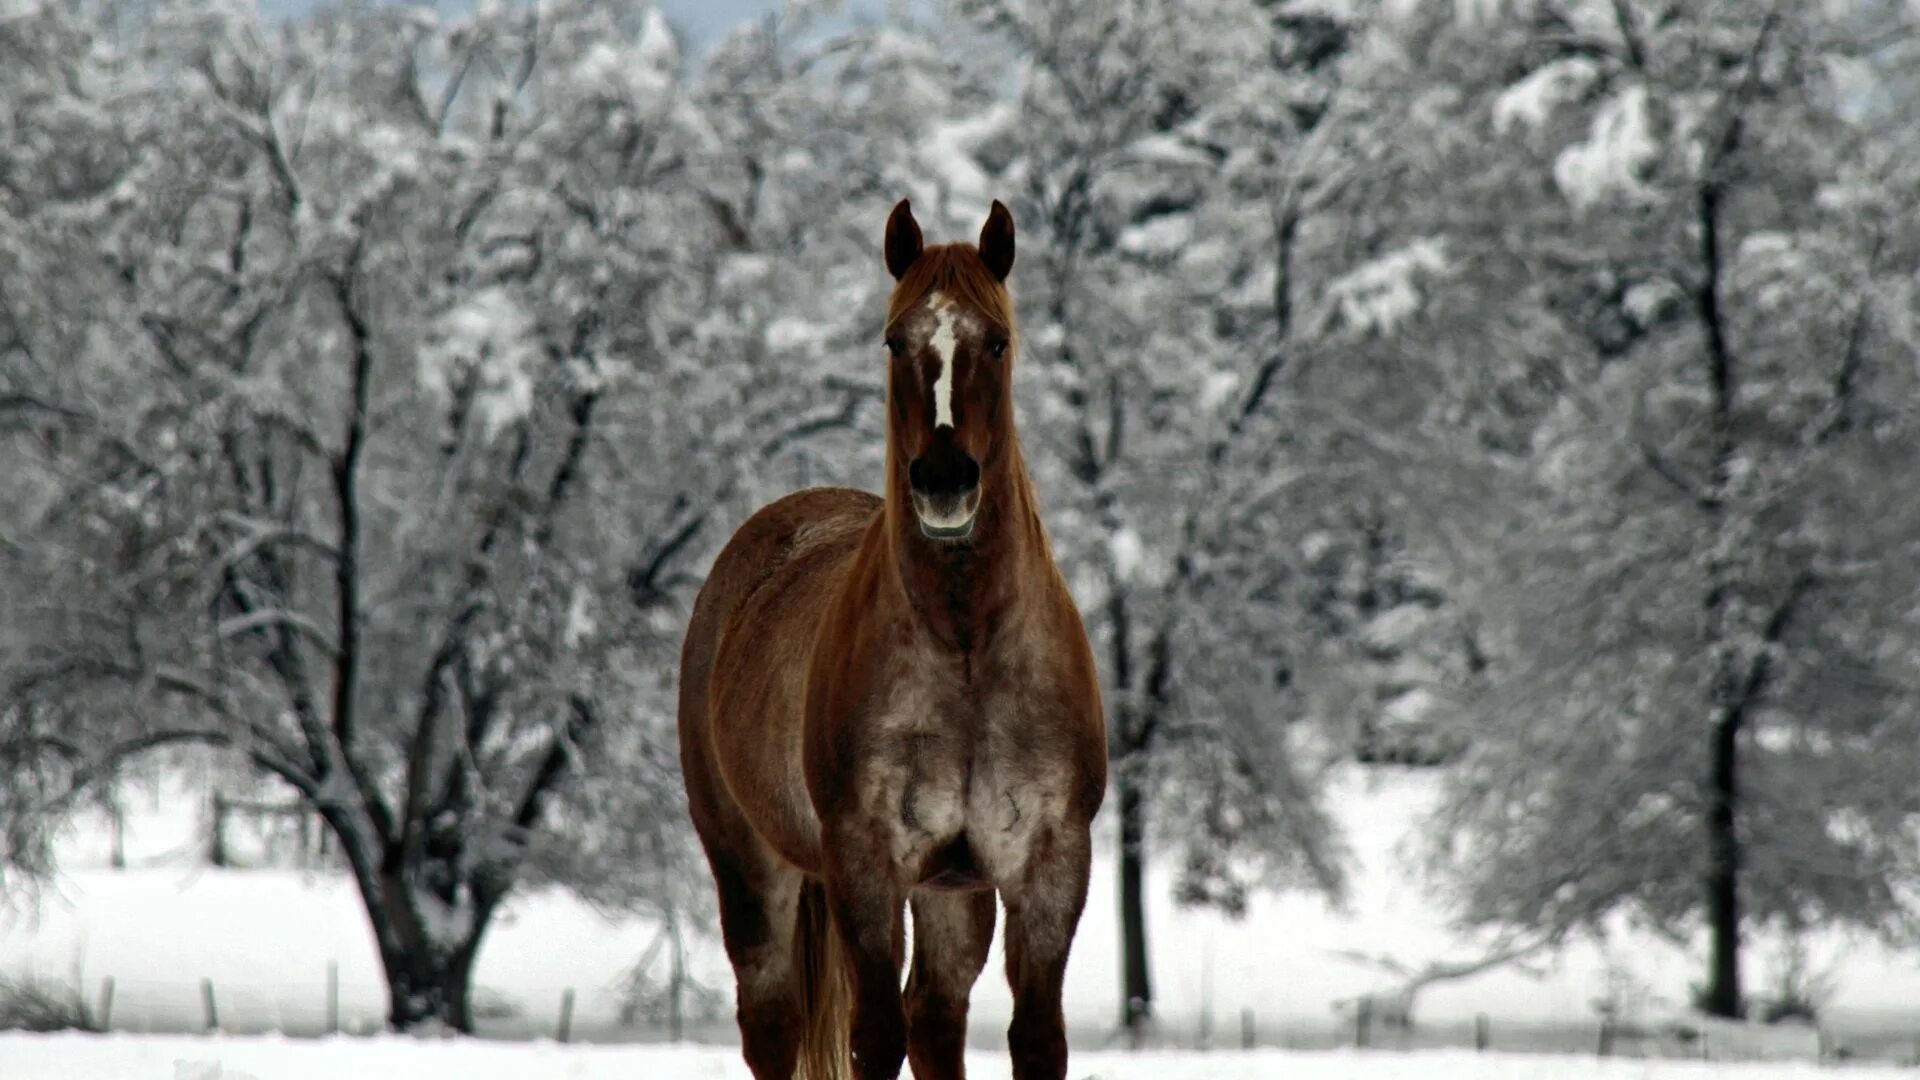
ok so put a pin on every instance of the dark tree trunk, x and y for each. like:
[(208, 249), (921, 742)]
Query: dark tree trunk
[(1734, 691), (1723, 995), (427, 986), (1129, 753), (429, 974), (1736, 695), (1137, 986), (117, 818), (217, 833)]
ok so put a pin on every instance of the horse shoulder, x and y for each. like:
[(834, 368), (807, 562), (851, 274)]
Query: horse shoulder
[(848, 652), (768, 589), (1080, 713)]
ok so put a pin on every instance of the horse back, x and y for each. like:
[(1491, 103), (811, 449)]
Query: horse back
[(743, 668)]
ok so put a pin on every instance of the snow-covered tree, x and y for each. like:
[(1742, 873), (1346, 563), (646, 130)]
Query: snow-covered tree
[(1192, 286), (353, 352), (374, 388), (379, 386), (1680, 339)]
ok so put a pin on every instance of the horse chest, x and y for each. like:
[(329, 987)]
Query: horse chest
[(957, 784)]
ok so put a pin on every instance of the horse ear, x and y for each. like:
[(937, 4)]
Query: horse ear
[(996, 241), (903, 244)]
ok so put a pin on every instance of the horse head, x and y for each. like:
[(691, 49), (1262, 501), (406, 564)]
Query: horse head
[(950, 339)]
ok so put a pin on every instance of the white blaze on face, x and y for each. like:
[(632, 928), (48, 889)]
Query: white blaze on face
[(943, 342)]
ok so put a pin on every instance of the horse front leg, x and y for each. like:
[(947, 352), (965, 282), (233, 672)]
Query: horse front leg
[(1043, 910), (757, 905), (867, 904), (952, 932)]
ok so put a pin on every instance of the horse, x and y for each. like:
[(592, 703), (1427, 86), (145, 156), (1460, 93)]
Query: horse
[(890, 702)]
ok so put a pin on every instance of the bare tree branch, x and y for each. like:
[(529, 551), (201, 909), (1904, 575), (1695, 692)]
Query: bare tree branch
[(279, 617), (346, 479)]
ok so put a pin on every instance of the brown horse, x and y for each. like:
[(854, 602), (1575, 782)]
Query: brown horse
[(891, 702)]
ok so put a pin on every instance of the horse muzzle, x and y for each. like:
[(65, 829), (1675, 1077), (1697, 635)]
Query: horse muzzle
[(945, 485)]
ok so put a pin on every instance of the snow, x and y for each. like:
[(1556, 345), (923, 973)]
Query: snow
[(1128, 552), (1217, 387), (1412, 707), (1533, 99), (491, 336), (743, 272), (87, 1057), (1478, 12), (266, 939), (1649, 301), (644, 70), (1618, 151), (77, 1057), (1398, 628), (789, 333), (1167, 234), (1343, 10), (1767, 244), (444, 925), (580, 624), (1169, 148), (948, 153), (659, 47), (1378, 295), (1843, 196)]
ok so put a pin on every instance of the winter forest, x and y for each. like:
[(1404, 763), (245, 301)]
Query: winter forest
[(1518, 391)]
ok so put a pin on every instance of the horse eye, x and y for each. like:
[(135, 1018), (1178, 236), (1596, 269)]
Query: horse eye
[(999, 348), (896, 346)]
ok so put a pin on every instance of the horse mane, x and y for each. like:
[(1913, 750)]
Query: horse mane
[(954, 269)]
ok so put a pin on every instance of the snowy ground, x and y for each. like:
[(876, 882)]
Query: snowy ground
[(266, 940), (72, 1057)]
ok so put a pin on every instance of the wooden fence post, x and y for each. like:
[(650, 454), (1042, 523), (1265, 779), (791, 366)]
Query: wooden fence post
[(565, 1034), (1203, 1038), (1246, 1029), (1363, 1022), (1606, 1037), (1482, 1032), (213, 1011), (105, 1016), (117, 823), (217, 835), (333, 997)]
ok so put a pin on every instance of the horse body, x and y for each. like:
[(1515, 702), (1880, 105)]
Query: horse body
[(891, 701)]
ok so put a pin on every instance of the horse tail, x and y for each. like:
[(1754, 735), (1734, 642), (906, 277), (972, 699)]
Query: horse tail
[(826, 994)]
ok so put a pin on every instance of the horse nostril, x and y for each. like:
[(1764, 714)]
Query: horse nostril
[(943, 474)]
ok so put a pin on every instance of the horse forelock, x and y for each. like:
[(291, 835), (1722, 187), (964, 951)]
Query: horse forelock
[(955, 271)]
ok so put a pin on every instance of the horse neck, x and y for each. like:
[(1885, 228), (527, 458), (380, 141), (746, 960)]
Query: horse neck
[(961, 590)]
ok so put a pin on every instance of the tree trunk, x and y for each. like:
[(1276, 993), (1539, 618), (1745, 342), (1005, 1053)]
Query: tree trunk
[(1137, 987), (1723, 996), (217, 833), (1738, 695), (1129, 753), (429, 970), (117, 818), (428, 987)]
